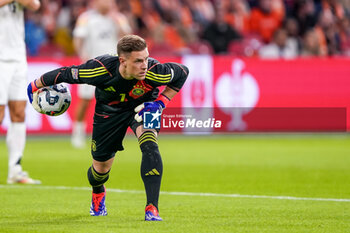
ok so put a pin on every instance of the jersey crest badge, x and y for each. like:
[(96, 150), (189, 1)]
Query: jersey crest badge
[(139, 89)]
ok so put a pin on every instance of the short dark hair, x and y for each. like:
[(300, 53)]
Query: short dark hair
[(130, 43)]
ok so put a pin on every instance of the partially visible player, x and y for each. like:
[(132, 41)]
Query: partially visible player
[(124, 84), (13, 79), (97, 32)]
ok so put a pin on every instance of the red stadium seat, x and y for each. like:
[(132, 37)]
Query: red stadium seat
[(248, 46), (161, 49), (51, 50), (201, 47)]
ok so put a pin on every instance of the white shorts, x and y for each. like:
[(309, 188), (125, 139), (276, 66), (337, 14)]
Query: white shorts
[(86, 91), (13, 81)]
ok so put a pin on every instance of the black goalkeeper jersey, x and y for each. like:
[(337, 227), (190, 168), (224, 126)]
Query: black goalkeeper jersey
[(113, 92)]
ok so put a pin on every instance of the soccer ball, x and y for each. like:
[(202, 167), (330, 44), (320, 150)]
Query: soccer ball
[(54, 100)]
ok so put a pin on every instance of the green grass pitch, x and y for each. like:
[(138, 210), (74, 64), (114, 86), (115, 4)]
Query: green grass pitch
[(263, 170)]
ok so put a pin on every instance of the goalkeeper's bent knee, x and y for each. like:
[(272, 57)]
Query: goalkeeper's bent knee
[(97, 179), (151, 165)]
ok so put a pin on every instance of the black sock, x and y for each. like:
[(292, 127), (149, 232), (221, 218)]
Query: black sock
[(98, 189), (97, 180), (151, 167)]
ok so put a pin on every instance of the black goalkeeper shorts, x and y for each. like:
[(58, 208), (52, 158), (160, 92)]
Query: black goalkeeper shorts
[(108, 133)]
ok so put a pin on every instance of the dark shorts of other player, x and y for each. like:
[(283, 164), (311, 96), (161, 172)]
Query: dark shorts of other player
[(108, 133)]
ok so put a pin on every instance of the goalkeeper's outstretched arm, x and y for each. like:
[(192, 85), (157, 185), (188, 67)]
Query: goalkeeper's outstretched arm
[(48, 79), (75, 75), (53, 77)]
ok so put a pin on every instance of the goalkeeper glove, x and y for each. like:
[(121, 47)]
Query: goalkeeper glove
[(158, 105), (31, 89), (32, 92)]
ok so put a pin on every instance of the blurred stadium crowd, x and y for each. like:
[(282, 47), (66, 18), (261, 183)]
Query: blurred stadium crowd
[(265, 28)]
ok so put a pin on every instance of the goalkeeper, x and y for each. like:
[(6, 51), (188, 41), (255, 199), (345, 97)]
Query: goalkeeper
[(125, 84)]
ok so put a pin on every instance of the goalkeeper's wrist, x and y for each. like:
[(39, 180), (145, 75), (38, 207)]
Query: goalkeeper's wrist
[(34, 86), (163, 100)]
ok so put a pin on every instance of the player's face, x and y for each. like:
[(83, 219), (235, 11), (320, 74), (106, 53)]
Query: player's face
[(136, 64)]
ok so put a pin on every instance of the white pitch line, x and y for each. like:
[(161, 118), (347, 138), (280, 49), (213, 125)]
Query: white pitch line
[(181, 193)]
